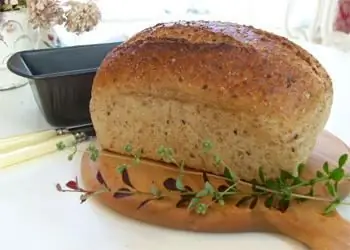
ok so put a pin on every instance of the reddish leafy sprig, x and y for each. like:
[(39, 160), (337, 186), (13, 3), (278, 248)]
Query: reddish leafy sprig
[(73, 186)]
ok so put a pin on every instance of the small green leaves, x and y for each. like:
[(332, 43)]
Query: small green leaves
[(202, 193), (337, 174), (285, 176), (269, 201), (283, 204), (217, 160), (137, 156), (319, 174), (179, 184), (342, 160), (325, 167), (229, 175), (331, 189), (193, 203), (207, 146), (277, 193), (300, 169), (122, 168), (272, 184), (155, 190), (332, 207), (201, 208), (93, 152), (60, 146), (166, 154), (128, 148), (262, 175), (209, 187)]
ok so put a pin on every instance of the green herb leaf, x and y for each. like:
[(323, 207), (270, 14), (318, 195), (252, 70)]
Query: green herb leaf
[(217, 160), (342, 160), (155, 191), (229, 174), (298, 181), (128, 148), (272, 184), (337, 174), (301, 168), (331, 189), (285, 176), (137, 160), (179, 184), (269, 201), (60, 146), (332, 207), (283, 205), (325, 167), (319, 174), (311, 191), (70, 157), (207, 146), (122, 168), (166, 154), (262, 175), (201, 208), (93, 152), (209, 187), (202, 193), (193, 203)]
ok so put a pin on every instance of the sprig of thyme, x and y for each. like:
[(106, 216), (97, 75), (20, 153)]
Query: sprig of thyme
[(277, 192)]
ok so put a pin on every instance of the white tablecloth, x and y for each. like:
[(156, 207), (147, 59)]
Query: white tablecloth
[(33, 215)]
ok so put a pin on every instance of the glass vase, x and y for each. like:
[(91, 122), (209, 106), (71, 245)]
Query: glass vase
[(14, 36)]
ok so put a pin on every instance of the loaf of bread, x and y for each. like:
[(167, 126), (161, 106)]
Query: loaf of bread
[(259, 98)]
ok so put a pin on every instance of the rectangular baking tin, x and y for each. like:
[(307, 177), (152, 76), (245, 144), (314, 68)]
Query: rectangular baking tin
[(61, 79)]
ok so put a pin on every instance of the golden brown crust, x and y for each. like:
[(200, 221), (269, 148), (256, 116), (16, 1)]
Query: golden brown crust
[(228, 65), (258, 97), (302, 222)]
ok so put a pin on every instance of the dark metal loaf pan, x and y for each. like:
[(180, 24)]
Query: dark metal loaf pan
[(61, 79)]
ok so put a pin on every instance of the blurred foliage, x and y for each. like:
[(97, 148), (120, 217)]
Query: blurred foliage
[(6, 6)]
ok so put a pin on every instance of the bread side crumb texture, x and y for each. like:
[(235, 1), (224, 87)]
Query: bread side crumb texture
[(259, 98)]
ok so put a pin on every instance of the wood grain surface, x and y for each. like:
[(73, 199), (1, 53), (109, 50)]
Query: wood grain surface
[(302, 221)]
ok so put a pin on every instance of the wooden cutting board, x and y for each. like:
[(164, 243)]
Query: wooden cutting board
[(303, 222)]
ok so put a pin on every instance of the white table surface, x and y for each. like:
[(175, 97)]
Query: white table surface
[(33, 215)]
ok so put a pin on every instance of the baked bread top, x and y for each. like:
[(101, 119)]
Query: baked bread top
[(228, 65)]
